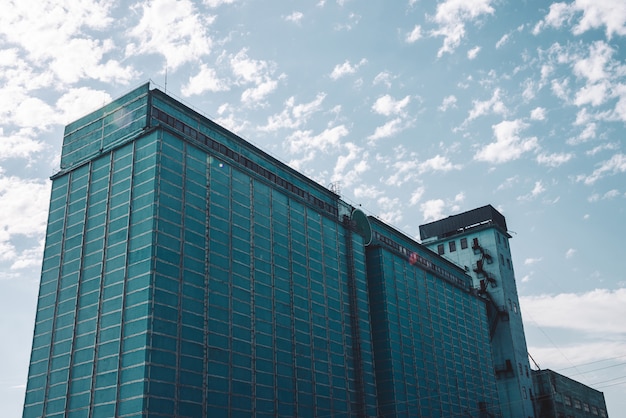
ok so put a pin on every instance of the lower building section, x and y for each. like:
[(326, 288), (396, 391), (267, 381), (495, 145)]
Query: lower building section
[(558, 396), (430, 333)]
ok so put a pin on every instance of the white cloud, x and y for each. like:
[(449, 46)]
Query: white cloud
[(538, 113), (536, 191), (493, 105), (531, 261), (217, 3), (24, 213), (595, 14), (438, 163), (451, 17), (295, 17), (616, 164), (416, 195), (554, 160), (447, 103), (20, 144), (602, 306), (608, 146), (256, 72), (570, 253), (594, 67), (357, 157), (78, 102), (388, 129), (387, 106), (432, 210), (173, 29), (414, 35), (367, 191), (54, 38), (473, 53), (205, 80), (304, 141), (509, 145), (502, 41), (392, 210), (293, 115), (346, 68), (559, 14), (384, 77)]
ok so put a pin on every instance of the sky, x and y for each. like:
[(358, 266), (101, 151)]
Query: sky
[(413, 109)]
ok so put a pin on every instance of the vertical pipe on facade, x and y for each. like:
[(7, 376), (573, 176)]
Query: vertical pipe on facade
[(207, 248), (101, 289), (181, 254), (80, 279), (354, 320), (125, 278)]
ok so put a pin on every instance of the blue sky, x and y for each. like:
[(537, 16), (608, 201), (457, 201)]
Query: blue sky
[(416, 109)]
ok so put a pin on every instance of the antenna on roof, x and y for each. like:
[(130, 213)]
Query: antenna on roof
[(335, 187), (165, 76)]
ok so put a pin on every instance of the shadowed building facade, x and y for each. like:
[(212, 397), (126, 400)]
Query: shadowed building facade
[(188, 273)]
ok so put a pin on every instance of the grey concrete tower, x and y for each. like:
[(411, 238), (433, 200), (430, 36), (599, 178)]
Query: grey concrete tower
[(478, 240)]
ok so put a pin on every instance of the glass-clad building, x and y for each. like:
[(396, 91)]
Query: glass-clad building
[(187, 273), (430, 333)]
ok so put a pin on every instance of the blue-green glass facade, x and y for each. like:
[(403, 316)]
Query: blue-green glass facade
[(179, 282), (430, 333), (187, 273)]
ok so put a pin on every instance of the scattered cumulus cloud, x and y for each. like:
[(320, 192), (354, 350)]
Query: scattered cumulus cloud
[(448, 103), (589, 15), (387, 105), (432, 210), (473, 53), (555, 159), (615, 165), (502, 41), (563, 310), (451, 18), (414, 35), (538, 113), (206, 80), (493, 105), (295, 17), (346, 68), (509, 145), (294, 115), (389, 129), (570, 253), (531, 261), (173, 29)]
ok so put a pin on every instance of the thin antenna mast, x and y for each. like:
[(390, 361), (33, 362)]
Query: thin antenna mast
[(165, 75)]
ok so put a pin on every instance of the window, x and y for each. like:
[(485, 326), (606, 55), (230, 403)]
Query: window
[(452, 245), (501, 259), (440, 250), (602, 413), (524, 392), (515, 309), (526, 367), (585, 407), (576, 403), (463, 243), (594, 410), (567, 400)]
